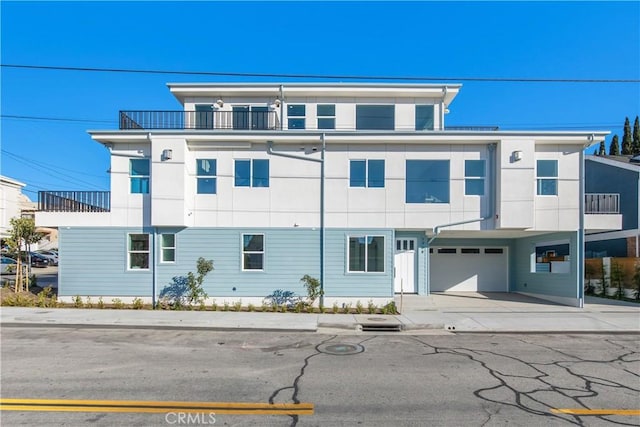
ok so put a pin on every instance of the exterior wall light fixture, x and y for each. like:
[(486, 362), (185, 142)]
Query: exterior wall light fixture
[(167, 154)]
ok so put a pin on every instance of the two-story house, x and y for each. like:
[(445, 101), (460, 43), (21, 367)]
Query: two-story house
[(360, 185)]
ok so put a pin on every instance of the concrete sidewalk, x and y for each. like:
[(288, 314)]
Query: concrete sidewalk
[(445, 313)]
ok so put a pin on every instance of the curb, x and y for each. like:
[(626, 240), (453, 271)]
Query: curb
[(164, 327)]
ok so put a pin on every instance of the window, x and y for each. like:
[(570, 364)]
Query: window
[(375, 117), (469, 250), (366, 254), (447, 251), (326, 116), (139, 176), (206, 176), (547, 177), (167, 248), (366, 173), (252, 252), (427, 181), (493, 251), (551, 257), (424, 117), (138, 251), (296, 113), (252, 173), (474, 173)]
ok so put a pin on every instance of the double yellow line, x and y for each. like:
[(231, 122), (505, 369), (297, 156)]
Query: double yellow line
[(142, 406)]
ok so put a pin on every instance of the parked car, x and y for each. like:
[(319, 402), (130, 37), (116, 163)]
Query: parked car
[(5, 267), (37, 260), (52, 256)]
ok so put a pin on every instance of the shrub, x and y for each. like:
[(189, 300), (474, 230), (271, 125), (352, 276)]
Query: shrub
[(372, 307), (390, 308), (188, 290), (251, 307), (313, 287), (335, 308), (279, 297), (100, 303), (137, 304), (237, 306), (89, 303), (117, 303), (359, 307), (225, 306), (214, 305), (77, 301), (617, 279)]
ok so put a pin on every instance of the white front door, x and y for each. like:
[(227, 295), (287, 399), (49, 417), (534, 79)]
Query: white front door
[(404, 266)]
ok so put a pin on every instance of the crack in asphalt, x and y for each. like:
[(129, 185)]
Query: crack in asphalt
[(525, 400), (295, 386)]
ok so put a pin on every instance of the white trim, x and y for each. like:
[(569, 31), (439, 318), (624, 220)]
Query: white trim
[(263, 252), (129, 251), (366, 257), (596, 237), (615, 163), (174, 247)]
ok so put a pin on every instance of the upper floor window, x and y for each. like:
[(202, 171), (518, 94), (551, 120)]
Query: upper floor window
[(138, 251), (375, 117), (366, 254), (427, 181), (547, 177), (474, 174), (139, 176), (296, 114), (424, 117), (326, 116), (206, 176), (252, 173), (366, 173), (204, 116)]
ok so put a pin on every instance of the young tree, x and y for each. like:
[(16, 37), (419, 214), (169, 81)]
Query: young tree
[(626, 137), (602, 149), (614, 148), (635, 143), (22, 234)]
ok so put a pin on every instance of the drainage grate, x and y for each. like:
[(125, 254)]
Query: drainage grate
[(378, 327)]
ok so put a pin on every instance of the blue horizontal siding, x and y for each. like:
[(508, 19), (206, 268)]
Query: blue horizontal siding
[(94, 262)]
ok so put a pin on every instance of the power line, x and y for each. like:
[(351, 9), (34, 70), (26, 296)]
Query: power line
[(61, 119), (49, 165), (320, 76)]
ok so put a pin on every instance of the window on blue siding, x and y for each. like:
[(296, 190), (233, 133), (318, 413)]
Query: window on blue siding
[(252, 173), (296, 114), (167, 248), (366, 173), (252, 252), (474, 174), (366, 254), (375, 117), (326, 116), (427, 181), (138, 251), (139, 176), (206, 176), (424, 117), (547, 177)]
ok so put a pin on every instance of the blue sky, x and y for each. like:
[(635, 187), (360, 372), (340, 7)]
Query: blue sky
[(559, 40)]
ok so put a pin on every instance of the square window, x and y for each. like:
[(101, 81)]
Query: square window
[(325, 123), (296, 110), (296, 123), (326, 110), (427, 181), (366, 254), (375, 117), (252, 252), (366, 173), (252, 173), (139, 176)]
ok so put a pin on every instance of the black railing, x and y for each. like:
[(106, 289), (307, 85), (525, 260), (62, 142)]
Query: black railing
[(598, 203), (473, 128), (243, 120), (74, 201)]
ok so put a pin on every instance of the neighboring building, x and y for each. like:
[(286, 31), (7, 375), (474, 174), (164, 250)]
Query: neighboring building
[(615, 183), (13, 203), (238, 175)]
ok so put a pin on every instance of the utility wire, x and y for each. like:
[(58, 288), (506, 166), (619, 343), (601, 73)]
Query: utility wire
[(50, 165), (320, 76), (61, 119)]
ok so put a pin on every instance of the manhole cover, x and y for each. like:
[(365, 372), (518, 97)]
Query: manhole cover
[(377, 319), (341, 349)]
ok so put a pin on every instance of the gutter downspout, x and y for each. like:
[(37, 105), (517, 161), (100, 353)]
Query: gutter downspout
[(154, 240), (436, 231), (322, 201), (281, 107), (580, 240)]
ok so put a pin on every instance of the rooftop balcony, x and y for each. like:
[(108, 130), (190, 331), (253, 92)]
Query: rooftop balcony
[(74, 201), (241, 120), (602, 212)]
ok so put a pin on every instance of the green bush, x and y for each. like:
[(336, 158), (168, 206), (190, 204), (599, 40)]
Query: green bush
[(137, 304), (117, 303)]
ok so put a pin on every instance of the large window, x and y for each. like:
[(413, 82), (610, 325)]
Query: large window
[(167, 248), (326, 116), (252, 252), (204, 116), (250, 117), (138, 251), (424, 117), (206, 176), (366, 254), (474, 174), (366, 173), (252, 173), (375, 117), (296, 114), (139, 176), (547, 177), (427, 181)]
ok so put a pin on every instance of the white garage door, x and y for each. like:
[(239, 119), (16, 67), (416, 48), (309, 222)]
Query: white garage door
[(469, 268)]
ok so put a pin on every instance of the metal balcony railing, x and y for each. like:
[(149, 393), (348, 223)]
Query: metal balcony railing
[(599, 203), (241, 120), (473, 128), (74, 201)]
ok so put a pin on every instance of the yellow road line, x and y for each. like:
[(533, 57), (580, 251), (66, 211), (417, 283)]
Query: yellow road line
[(238, 408), (582, 411)]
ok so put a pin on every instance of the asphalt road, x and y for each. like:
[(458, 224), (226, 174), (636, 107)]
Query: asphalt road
[(381, 380)]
